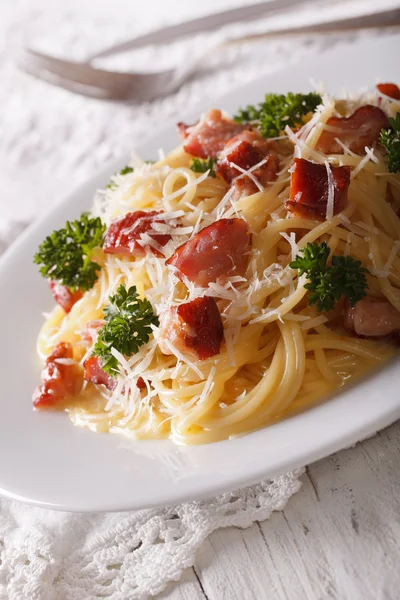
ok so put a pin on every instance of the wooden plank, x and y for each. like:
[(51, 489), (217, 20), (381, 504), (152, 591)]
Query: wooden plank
[(338, 538)]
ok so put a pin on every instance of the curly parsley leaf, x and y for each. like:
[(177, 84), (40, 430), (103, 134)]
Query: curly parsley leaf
[(279, 110), (327, 284), (390, 139), (128, 326), (199, 165), (66, 255), (111, 185)]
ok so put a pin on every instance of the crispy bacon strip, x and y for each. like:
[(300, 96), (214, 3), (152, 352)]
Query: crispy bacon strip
[(208, 137), (361, 129), (389, 89), (59, 381), (309, 189), (372, 317), (63, 295), (217, 250), (193, 328), (247, 150), (95, 374), (123, 235)]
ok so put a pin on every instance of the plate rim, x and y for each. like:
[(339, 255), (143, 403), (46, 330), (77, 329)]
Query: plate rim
[(342, 439)]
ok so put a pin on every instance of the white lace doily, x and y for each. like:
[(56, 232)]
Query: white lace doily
[(50, 141), (46, 555)]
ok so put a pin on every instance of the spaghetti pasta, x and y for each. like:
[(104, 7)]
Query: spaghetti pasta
[(278, 355)]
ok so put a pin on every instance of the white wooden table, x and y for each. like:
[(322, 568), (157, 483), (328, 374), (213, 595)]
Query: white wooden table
[(339, 537)]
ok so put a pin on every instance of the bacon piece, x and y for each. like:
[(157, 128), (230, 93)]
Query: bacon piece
[(361, 129), (63, 295), (59, 381), (247, 150), (309, 189), (91, 329), (95, 374), (123, 235), (208, 137), (217, 250), (243, 187), (372, 317), (389, 89), (193, 328)]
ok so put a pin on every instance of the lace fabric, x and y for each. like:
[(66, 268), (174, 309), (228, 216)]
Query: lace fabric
[(47, 555)]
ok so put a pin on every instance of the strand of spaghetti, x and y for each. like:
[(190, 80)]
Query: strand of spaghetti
[(392, 294), (363, 348), (273, 314), (323, 366)]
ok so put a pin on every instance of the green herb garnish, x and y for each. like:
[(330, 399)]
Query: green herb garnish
[(327, 284), (199, 165), (127, 327), (66, 255), (390, 139), (279, 110)]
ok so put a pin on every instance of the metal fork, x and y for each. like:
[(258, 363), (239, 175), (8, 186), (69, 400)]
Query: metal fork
[(86, 79)]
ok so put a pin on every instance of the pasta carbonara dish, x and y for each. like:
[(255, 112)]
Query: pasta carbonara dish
[(239, 279)]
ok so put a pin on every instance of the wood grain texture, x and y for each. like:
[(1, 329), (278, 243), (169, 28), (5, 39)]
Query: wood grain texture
[(338, 538)]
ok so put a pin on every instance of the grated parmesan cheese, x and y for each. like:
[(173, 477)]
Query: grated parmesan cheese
[(331, 192)]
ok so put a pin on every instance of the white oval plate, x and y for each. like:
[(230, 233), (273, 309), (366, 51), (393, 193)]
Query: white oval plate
[(44, 459)]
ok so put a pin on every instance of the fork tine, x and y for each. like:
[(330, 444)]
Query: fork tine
[(110, 84)]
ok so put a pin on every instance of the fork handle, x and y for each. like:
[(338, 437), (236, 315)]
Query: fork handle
[(207, 23)]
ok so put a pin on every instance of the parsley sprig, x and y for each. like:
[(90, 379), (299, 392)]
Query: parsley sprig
[(327, 284), (390, 139), (199, 165), (279, 110), (66, 255), (127, 327)]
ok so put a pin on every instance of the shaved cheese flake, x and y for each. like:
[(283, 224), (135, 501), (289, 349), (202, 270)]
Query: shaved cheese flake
[(248, 174), (66, 361), (331, 192), (369, 156), (345, 148), (392, 256), (292, 241), (182, 358)]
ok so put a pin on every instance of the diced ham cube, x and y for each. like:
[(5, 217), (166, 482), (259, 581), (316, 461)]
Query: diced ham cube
[(245, 151), (63, 295), (95, 374), (361, 129), (221, 249), (372, 317), (124, 235), (60, 380), (194, 328), (208, 137), (243, 187), (91, 329), (389, 89), (310, 188)]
